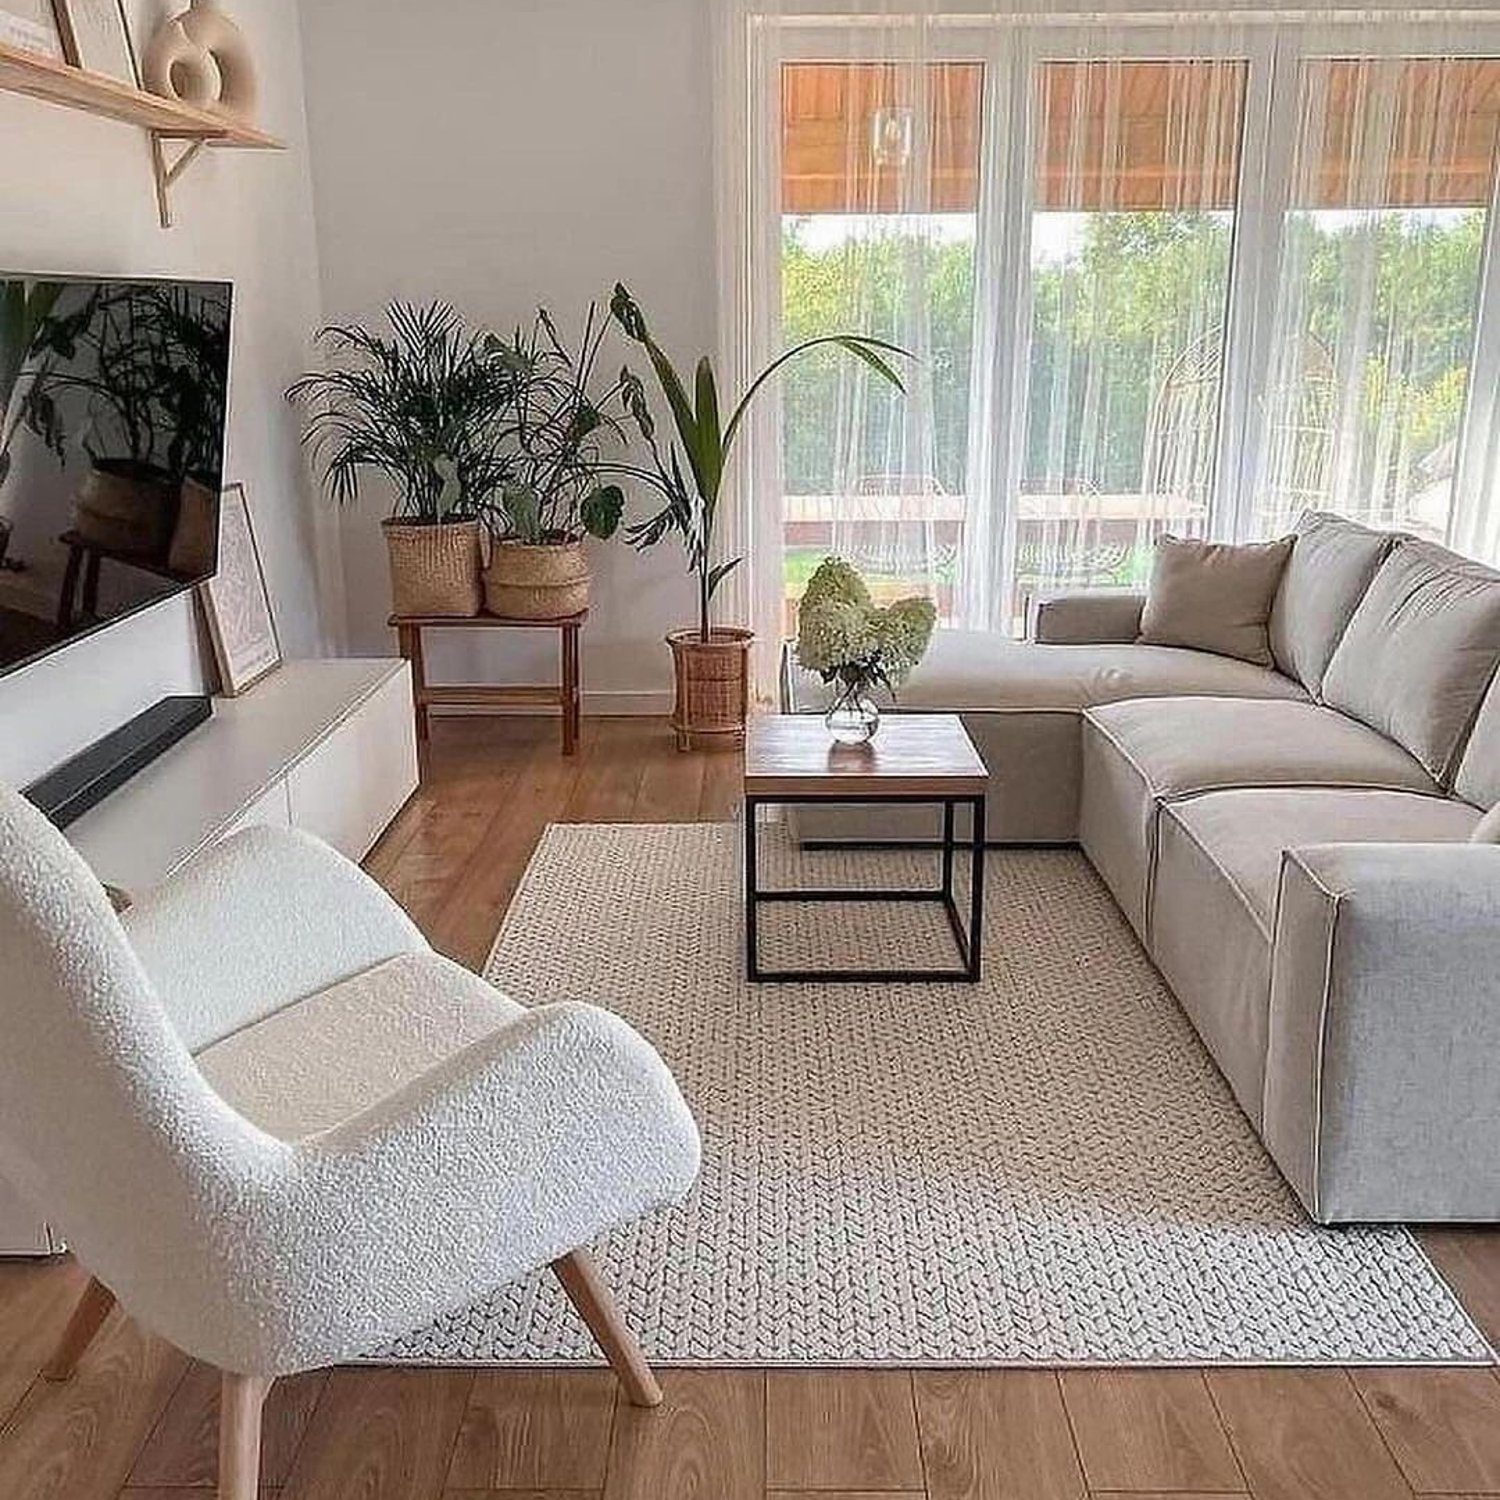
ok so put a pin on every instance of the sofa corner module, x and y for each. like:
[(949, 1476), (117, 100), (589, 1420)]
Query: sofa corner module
[(1382, 1098), (1096, 618)]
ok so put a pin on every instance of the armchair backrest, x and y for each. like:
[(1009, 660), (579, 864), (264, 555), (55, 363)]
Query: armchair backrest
[(105, 1122)]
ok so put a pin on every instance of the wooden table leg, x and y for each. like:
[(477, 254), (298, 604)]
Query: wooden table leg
[(571, 696), (65, 600), (410, 638), (91, 587)]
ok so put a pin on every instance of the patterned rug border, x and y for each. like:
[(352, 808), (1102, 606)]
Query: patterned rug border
[(532, 884)]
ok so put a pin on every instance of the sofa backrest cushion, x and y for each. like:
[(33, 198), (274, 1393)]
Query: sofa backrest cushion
[(1420, 653), (1332, 564), (1214, 597), (1478, 779)]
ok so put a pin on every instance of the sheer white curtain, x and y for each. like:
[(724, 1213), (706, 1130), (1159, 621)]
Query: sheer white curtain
[(1378, 285), (848, 198), (1134, 179), (1157, 276)]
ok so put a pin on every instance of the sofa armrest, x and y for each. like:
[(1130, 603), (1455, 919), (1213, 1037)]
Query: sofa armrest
[(1086, 619), (1382, 1096)]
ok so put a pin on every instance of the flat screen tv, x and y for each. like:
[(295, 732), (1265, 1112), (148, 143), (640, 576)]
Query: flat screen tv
[(113, 396)]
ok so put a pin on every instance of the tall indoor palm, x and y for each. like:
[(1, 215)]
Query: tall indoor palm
[(691, 501), (712, 673)]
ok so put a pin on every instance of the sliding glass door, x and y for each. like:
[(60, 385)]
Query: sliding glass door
[(1378, 290), (879, 200), (1194, 279), (1134, 193)]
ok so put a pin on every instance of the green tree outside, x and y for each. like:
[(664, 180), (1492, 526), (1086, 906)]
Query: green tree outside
[(1110, 323)]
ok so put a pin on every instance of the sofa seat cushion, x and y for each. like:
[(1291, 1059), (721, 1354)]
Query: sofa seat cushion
[(1421, 652), (1213, 903), (1245, 831), (306, 1068), (1143, 752), (1021, 703), (975, 669), (1332, 564)]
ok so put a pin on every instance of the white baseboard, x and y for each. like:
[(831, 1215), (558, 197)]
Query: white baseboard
[(648, 704)]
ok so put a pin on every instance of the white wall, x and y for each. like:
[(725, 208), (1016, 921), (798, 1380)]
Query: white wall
[(77, 197), (502, 153)]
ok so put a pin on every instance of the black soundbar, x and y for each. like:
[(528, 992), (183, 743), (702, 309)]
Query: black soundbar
[(81, 783)]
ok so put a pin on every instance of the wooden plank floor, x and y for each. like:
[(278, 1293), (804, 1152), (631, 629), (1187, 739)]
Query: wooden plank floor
[(138, 1421)]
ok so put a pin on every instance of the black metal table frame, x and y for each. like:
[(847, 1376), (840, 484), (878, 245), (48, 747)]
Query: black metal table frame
[(970, 942)]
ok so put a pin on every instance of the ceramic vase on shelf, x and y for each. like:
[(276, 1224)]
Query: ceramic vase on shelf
[(853, 716), (201, 57)]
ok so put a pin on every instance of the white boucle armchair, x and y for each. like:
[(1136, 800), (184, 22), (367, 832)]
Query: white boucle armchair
[(280, 1129)]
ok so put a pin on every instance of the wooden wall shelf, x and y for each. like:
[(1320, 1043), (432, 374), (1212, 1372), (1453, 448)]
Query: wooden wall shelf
[(164, 120)]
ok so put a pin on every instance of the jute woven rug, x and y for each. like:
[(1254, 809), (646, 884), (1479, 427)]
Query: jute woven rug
[(1043, 1168)]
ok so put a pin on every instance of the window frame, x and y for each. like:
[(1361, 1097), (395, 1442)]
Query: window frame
[(1011, 49)]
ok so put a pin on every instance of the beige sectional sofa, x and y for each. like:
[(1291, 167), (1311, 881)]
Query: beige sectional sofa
[(1291, 844)]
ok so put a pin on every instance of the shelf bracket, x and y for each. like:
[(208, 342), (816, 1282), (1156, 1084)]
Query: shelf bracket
[(165, 172)]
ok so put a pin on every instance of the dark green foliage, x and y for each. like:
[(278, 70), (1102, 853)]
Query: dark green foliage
[(140, 371), (418, 407), (552, 435), (468, 424), (1142, 287)]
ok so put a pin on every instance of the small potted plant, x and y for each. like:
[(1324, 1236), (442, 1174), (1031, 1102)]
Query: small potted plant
[(549, 440), (711, 667), (856, 647), (418, 407)]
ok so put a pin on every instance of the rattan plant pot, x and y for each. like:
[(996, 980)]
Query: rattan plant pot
[(549, 581), (434, 567), (713, 687), (127, 507)]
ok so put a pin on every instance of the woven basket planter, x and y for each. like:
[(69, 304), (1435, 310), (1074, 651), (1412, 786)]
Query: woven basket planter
[(127, 507), (434, 568), (713, 687), (545, 582)]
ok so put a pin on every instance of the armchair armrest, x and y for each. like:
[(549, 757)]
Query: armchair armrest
[(1086, 619), (527, 1145), (1382, 1096), (264, 918)]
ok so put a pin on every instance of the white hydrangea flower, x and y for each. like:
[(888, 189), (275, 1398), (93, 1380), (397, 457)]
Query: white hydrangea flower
[(842, 634)]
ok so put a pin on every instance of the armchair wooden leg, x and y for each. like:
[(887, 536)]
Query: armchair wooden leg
[(580, 1280), (88, 1318), (242, 1399)]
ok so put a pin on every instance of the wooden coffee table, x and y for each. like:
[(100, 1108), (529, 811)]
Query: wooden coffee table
[(914, 758)]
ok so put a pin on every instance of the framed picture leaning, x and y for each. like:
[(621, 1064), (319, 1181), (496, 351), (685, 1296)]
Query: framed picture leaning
[(236, 603)]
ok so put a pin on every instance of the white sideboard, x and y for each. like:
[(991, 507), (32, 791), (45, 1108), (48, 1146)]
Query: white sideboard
[(325, 746)]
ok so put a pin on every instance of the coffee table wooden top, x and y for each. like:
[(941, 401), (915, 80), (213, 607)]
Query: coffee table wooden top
[(912, 755)]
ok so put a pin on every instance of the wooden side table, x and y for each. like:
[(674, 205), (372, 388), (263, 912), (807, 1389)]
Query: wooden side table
[(565, 694), (914, 758)]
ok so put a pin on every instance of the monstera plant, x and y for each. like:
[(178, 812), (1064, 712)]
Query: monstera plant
[(551, 436)]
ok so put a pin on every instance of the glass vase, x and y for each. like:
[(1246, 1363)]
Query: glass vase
[(852, 717)]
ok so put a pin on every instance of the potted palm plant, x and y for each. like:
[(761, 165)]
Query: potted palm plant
[(710, 661), (418, 407), (550, 436), (139, 368)]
